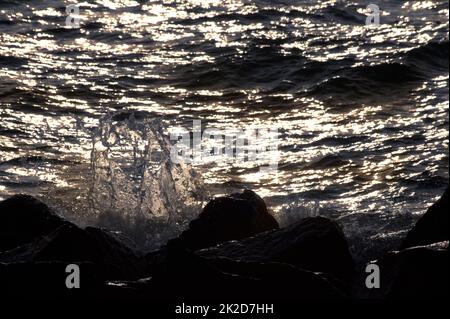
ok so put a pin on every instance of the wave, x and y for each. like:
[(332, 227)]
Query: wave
[(368, 82), (261, 15), (327, 161), (384, 80), (347, 14), (12, 61), (431, 55), (263, 64)]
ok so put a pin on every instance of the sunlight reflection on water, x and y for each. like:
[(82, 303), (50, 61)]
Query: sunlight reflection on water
[(362, 112)]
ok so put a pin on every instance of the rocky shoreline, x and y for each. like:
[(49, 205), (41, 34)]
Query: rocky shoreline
[(234, 250)]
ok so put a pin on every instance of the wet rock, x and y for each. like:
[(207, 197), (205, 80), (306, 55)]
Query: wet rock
[(415, 273), (72, 244), (421, 272), (113, 252), (187, 275), (228, 218), (420, 269), (47, 280), (281, 280), (314, 244), (432, 227), (23, 218)]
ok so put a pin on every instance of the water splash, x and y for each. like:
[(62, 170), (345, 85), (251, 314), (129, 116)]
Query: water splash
[(131, 185), (132, 171), (297, 209)]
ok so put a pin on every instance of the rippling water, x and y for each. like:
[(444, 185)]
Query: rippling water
[(362, 111)]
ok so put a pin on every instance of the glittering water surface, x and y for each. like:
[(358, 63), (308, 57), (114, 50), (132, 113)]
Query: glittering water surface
[(362, 111)]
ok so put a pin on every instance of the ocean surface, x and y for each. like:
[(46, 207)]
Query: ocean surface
[(362, 111)]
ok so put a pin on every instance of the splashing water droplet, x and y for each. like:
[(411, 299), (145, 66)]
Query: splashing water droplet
[(132, 171), (132, 186)]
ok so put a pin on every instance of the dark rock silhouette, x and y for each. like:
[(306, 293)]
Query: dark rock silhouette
[(415, 273), (432, 227), (421, 272), (23, 218), (228, 218), (221, 279), (307, 260), (314, 244), (47, 280), (113, 252), (72, 244)]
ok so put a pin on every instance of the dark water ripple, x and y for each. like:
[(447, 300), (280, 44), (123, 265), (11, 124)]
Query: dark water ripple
[(362, 112)]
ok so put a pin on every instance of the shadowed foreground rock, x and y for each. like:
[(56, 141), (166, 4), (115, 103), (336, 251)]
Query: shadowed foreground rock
[(420, 272), (314, 244), (420, 269), (72, 244), (228, 218), (307, 260), (432, 227), (45, 280), (23, 218), (221, 279)]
